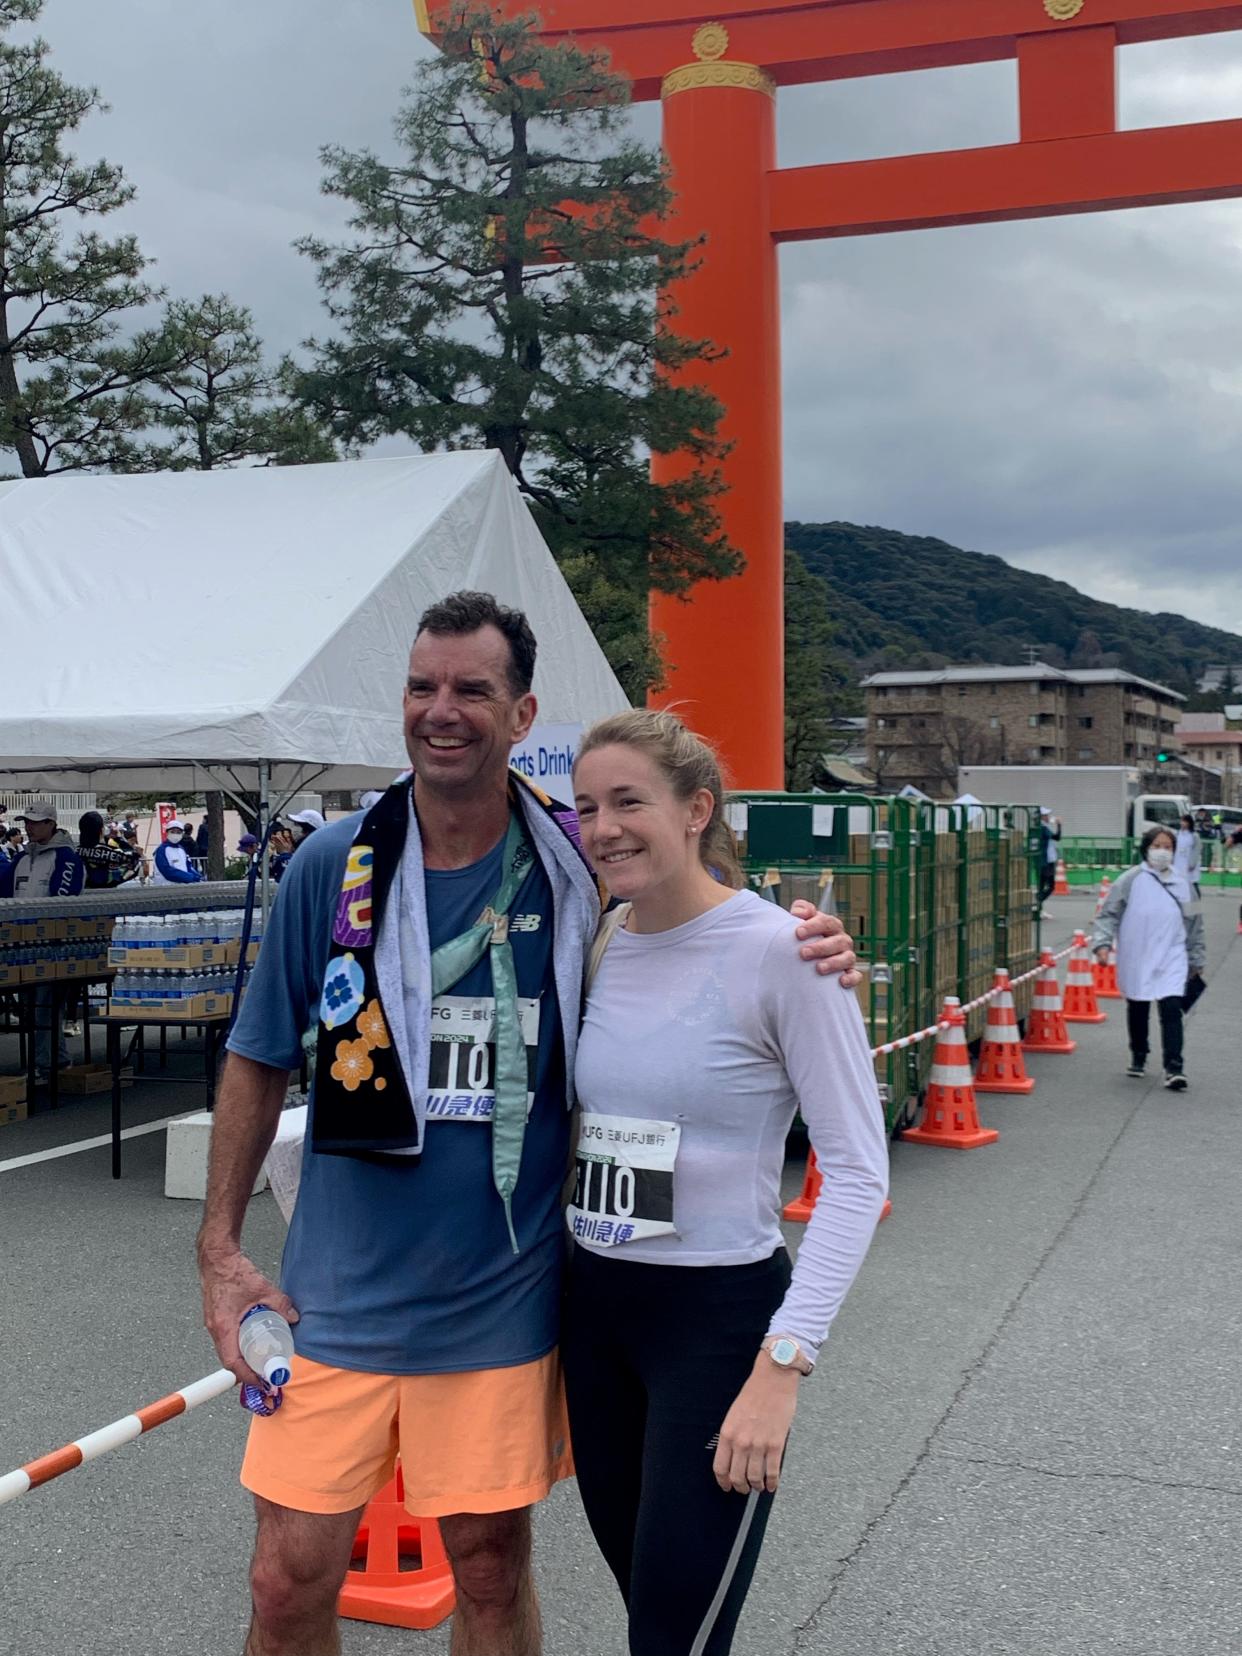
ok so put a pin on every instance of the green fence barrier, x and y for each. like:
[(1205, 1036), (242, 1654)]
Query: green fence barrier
[(1088, 860), (935, 897)]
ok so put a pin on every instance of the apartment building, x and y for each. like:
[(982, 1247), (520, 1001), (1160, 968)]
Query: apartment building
[(1208, 740), (922, 725)]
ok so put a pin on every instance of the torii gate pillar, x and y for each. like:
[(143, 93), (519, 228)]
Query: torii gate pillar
[(724, 642)]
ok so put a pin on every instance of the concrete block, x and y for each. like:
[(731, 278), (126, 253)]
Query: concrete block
[(185, 1161)]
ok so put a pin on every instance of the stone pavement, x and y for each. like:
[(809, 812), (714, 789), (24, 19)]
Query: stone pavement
[(1023, 1437)]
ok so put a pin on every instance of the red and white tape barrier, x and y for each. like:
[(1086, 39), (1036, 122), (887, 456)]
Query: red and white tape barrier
[(980, 1000), (125, 1430)]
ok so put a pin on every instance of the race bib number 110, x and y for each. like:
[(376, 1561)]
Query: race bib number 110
[(623, 1188)]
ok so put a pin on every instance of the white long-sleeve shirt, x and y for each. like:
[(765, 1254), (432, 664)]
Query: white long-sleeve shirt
[(718, 1031)]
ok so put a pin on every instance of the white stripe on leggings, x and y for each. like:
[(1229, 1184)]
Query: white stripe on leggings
[(726, 1580)]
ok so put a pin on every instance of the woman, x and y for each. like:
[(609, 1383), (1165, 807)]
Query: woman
[(685, 1340), (1153, 918), (1186, 854)]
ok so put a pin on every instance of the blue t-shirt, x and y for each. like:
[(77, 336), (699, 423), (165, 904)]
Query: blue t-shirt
[(406, 1267)]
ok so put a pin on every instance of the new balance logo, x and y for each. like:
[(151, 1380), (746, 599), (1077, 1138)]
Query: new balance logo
[(526, 922)]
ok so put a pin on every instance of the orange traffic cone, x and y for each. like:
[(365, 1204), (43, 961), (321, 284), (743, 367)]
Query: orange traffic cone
[(1061, 889), (1104, 975), (799, 1210), (951, 1117), (1045, 1028), (381, 1591), (1000, 1068), (1081, 1005), (1106, 885)]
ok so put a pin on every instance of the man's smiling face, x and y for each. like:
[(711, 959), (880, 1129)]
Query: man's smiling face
[(462, 714)]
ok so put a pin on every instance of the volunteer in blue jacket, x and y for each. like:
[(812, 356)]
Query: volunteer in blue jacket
[(172, 862)]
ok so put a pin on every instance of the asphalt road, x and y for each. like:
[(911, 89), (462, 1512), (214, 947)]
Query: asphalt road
[(1023, 1437)]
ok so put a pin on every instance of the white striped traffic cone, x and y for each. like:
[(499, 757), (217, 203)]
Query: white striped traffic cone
[(1104, 976), (1045, 1028), (1000, 1068), (951, 1117), (1081, 1005)]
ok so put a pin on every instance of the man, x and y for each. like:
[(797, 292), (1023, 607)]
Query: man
[(11, 842), (172, 862), (439, 943), (202, 840), (48, 867)]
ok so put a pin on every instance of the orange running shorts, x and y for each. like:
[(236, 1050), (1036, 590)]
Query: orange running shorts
[(488, 1440)]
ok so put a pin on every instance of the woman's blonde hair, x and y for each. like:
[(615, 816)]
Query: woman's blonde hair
[(689, 764)]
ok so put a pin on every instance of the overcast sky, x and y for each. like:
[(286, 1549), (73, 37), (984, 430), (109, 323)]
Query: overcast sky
[(1066, 393)]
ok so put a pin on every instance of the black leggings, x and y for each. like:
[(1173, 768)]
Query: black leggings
[(1138, 1021), (654, 1356)]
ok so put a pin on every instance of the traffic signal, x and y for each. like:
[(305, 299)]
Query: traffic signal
[(1163, 758)]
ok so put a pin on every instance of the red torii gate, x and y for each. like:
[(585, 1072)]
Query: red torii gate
[(716, 75)]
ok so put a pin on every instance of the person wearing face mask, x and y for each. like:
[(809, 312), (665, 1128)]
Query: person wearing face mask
[(1153, 919), (172, 862)]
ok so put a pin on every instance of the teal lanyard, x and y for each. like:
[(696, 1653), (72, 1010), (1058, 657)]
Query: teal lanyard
[(449, 964)]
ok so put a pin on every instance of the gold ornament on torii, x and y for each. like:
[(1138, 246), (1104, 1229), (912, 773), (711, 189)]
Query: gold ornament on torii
[(710, 41), (1060, 11)]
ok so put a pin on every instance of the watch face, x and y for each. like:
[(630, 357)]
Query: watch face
[(784, 1352)]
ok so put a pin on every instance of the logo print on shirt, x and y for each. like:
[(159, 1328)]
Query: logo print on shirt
[(525, 922)]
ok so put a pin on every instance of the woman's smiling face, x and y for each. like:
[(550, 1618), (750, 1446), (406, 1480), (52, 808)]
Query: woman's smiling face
[(637, 833)]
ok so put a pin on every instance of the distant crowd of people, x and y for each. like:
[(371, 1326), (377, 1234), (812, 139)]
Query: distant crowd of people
[(38, 858)]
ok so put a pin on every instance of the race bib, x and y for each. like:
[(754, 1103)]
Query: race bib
[(623, 1188), (462, 1076)]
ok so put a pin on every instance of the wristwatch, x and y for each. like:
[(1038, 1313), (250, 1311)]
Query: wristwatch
[(786, 1353)]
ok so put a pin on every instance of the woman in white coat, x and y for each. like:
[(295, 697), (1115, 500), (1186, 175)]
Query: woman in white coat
[(1153, 919)]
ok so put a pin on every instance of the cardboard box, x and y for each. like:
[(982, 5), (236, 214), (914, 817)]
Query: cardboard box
[(12, 1091), (85, 927), (9, 976), (189, 1009), (188, 955), (91, 1078), (12, 1112)]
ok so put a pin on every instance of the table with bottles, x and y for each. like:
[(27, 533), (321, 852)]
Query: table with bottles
[(172, 952), (173, 971)]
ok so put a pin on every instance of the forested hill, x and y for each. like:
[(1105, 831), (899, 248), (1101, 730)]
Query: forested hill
[(912, 601)]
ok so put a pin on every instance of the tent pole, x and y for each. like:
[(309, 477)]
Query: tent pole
[(265, 890)]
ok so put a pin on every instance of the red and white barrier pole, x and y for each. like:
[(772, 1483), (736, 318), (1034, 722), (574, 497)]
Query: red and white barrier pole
[(125, 1430)]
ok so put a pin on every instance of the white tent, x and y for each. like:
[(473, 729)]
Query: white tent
[(191, 630)]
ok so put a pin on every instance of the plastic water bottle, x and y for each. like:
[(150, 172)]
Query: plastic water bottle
[(266, 1342)]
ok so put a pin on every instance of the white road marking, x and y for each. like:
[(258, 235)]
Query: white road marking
[(15, 1162)]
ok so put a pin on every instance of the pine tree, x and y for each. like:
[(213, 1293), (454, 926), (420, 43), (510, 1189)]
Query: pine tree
[(506, 286), (217, 399), (817, 678), (71, 391)]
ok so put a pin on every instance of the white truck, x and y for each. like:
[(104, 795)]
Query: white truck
[(1090, 801)]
